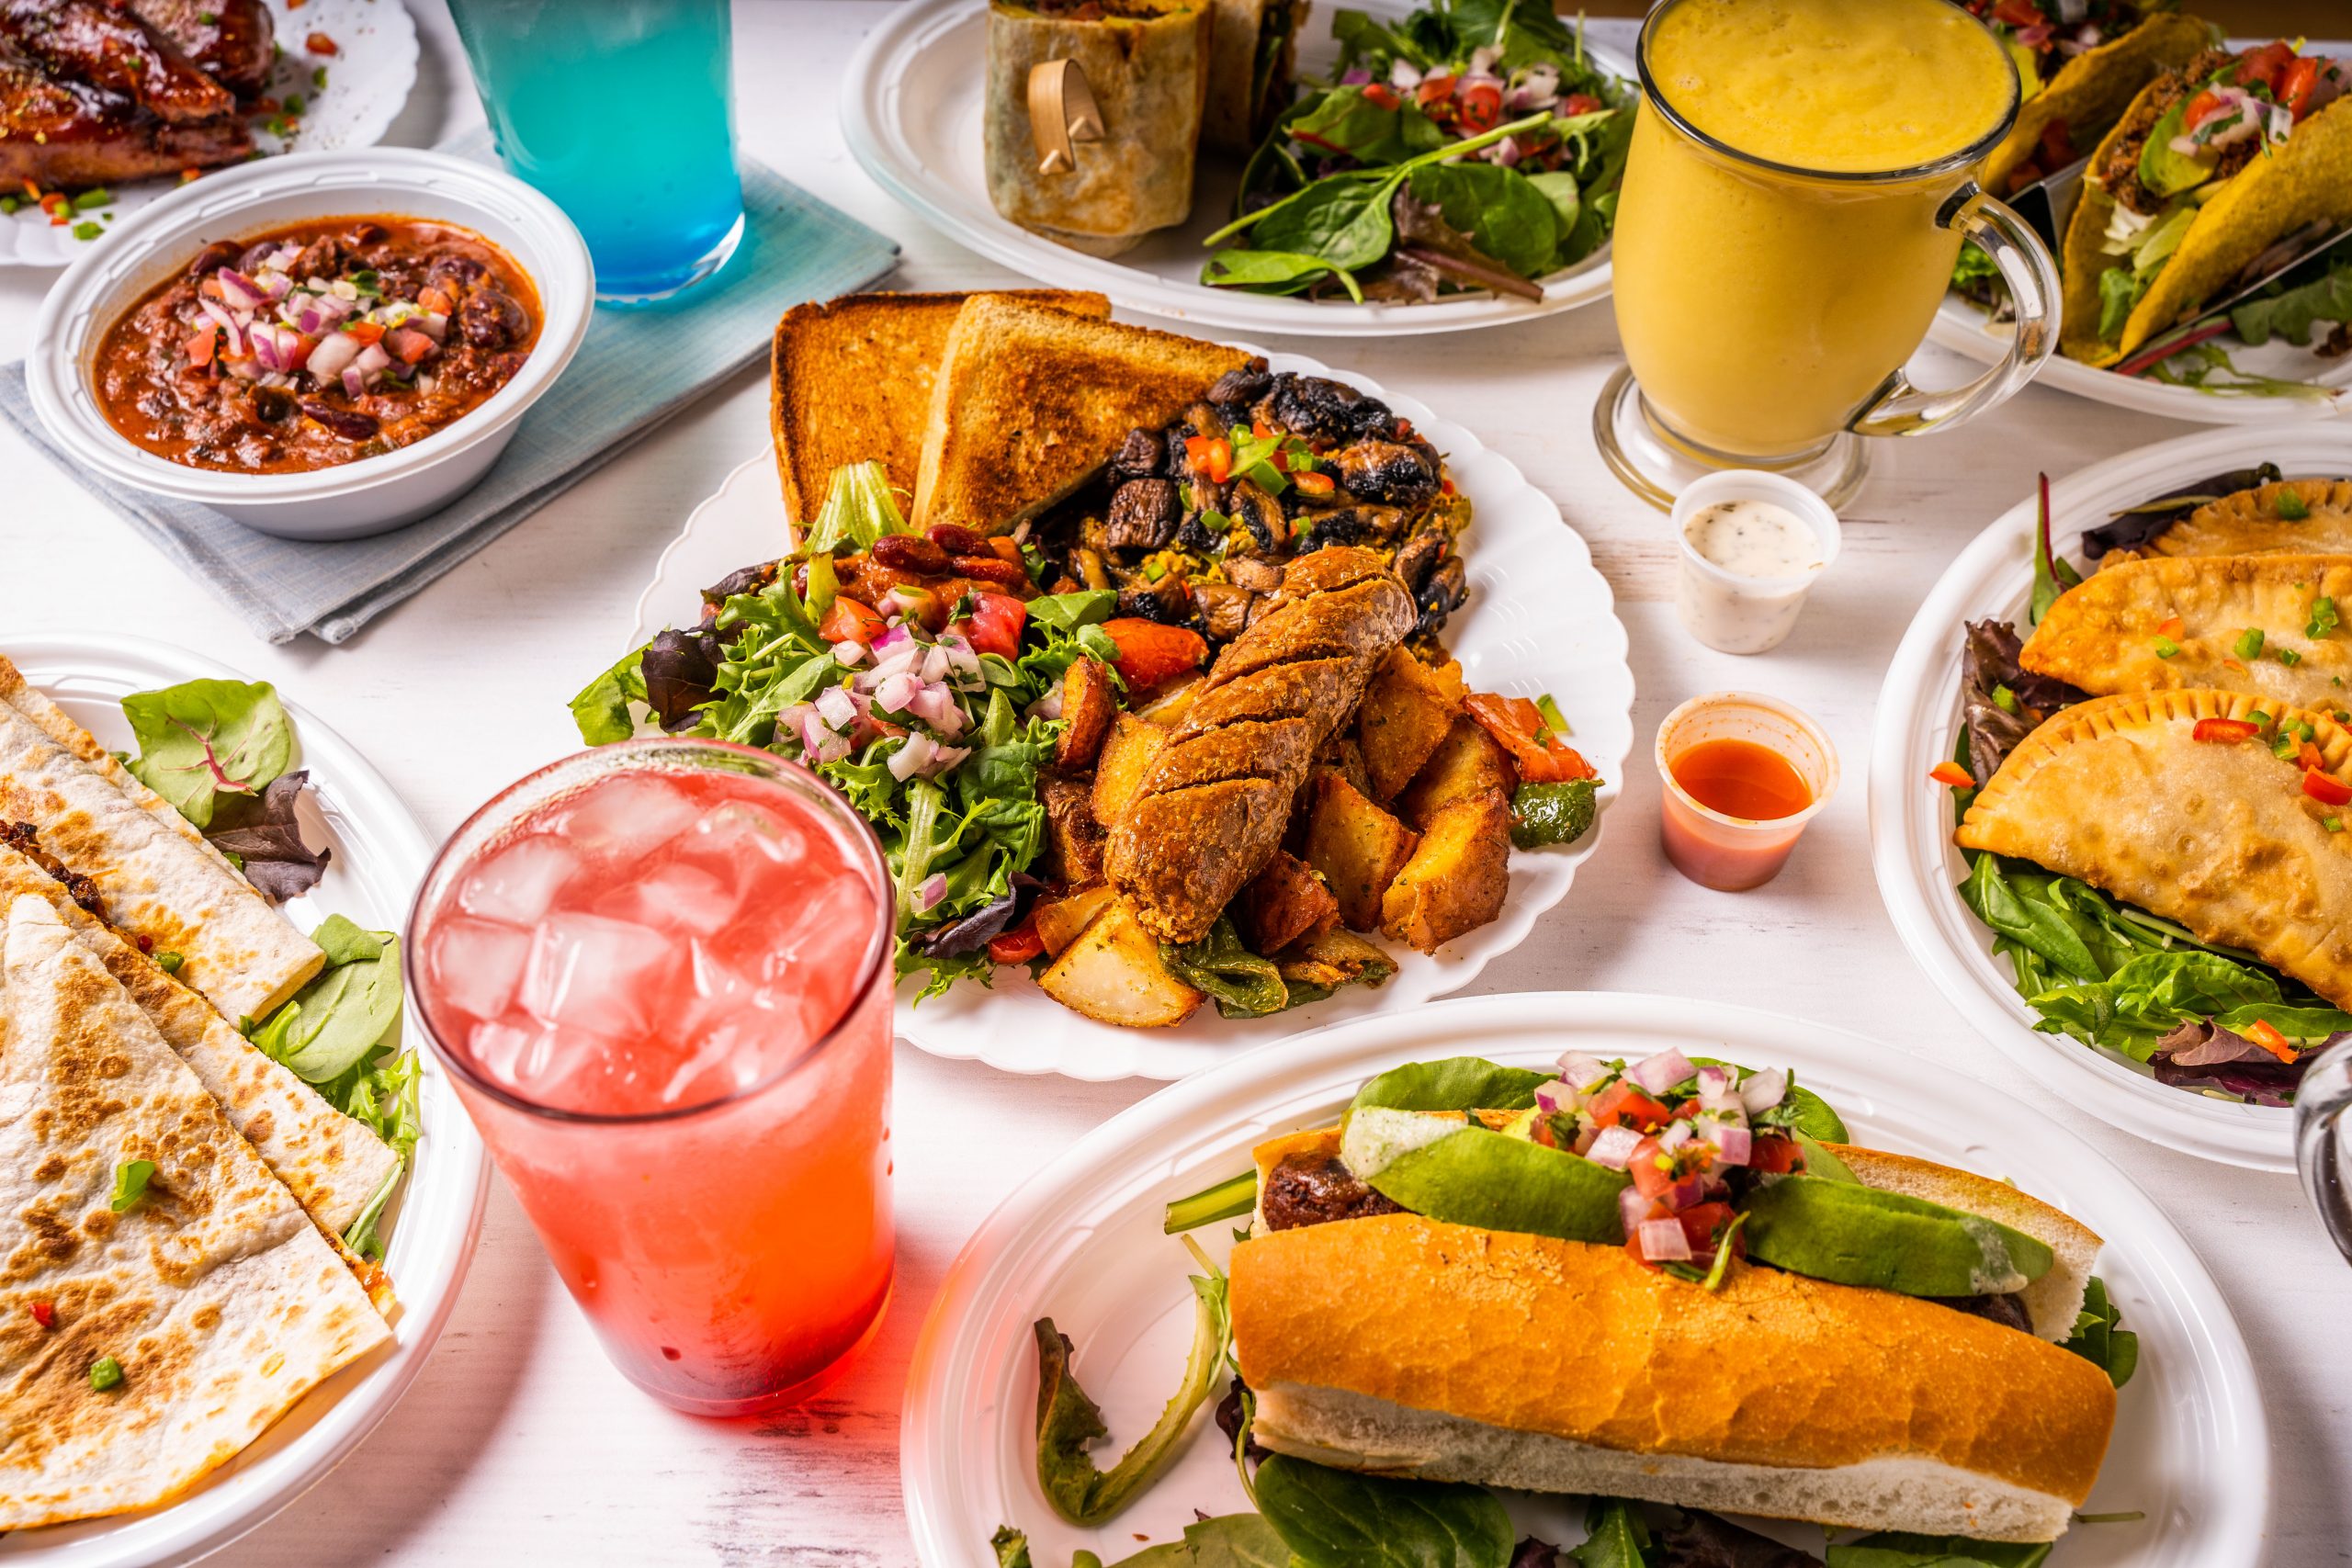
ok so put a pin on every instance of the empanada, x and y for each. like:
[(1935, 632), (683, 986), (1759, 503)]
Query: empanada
[(2117, 632), (2220, 836), (2248, 523)]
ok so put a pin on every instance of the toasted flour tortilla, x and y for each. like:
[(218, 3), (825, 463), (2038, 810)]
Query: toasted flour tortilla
[(159, 878), (220, 1301), (333, 1164)]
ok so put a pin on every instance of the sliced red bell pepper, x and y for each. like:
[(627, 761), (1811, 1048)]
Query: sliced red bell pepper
[(2325, 789), (45, 1313), (1019, 945), (2225, 731), (1310, 482), (1515, 722), (1952, 774)]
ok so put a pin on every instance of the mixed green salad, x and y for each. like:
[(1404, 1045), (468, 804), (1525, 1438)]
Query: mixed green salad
[(221, 752), (1471, 145)]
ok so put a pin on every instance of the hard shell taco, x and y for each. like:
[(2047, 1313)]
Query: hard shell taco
[(2080, 63), (2209, 169)]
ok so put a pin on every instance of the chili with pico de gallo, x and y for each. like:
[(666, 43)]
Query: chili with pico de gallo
[(317, 345)]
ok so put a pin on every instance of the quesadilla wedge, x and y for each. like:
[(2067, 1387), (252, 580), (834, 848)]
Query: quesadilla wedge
[(156, 875), (2210, 168), (332, 1163), (166, 1299), (2263, 624), (2181, 804)]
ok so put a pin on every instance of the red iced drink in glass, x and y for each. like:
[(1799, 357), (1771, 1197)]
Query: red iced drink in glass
[(659, 973)]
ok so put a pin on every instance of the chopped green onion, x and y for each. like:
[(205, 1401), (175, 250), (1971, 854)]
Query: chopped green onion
[(130, 1182), (319, 79), (2258, 718), (2292, 508), (2322, 618), (105, 1373), (1153, 571), (2333, 824), (8, 205), (98, 196), (169, 962), (1556, 721), (86, 229), (2165, 648), (2249, 643), (2287, 656)]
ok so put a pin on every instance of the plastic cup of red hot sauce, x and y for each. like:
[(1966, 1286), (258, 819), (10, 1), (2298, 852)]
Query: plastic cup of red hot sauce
[(1744, 773)]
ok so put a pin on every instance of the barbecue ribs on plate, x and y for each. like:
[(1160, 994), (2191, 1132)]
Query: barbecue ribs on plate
[(96, 93)]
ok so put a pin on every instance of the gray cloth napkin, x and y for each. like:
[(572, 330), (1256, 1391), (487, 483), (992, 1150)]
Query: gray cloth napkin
[(636, 368)]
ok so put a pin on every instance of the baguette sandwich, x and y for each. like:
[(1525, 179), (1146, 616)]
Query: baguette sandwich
[(1674, 1284)]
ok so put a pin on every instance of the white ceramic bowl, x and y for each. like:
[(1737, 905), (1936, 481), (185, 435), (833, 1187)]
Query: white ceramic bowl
[(352, 500)]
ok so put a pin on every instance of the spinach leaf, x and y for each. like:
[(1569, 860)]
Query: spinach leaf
[(1504, 217), (2150, 996), (345, 1012), (1344, 120), (343, 943), (2038, 924), (1069, 1423), (1615, 1535), (1898, 1549), (2293, 312), (202, 739), (2099, 1337), (1235, 1540), (1011, 1547), (1244, 984), (1335, 1518), (1068, 611), (1343, 222), (1559, 187), (1362, 37), (1456, 1083), (601, 710), (1273, 272)]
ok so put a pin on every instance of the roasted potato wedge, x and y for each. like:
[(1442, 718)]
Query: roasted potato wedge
[(1358, 846), (1074, 839), (1467, 762), (1458, 877), (1406, 713), (1133, 745), (1088, 707), (1060, 921), (1284, 903), (1112, 973)]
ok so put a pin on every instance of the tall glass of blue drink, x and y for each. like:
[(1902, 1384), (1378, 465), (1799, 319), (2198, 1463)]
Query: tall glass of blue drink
[(623, 112)]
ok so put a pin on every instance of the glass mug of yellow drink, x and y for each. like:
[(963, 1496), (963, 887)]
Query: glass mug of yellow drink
[(1797, 193)]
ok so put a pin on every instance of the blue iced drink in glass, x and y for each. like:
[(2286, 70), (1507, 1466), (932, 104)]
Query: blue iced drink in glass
[(623, 112)]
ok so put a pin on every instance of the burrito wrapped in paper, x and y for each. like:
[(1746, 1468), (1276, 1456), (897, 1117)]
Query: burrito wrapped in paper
[(1145, 66)]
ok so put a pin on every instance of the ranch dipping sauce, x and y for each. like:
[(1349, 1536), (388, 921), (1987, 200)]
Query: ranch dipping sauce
[(1751, 545)]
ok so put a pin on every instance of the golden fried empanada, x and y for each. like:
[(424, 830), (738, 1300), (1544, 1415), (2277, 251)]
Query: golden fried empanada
[(2218, 835), (2118, 631), (2249, 523)]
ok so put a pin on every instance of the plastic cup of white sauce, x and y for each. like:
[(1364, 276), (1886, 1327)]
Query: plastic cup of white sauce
[(1752, 546)]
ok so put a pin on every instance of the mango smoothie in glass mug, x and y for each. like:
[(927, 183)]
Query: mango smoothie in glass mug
[(1797, 191)]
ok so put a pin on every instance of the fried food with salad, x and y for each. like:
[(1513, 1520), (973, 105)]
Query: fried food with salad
[(1597, 1280), (1177, 725), (2152, 787)]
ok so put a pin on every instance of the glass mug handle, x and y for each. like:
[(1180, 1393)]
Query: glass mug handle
[(2321, 1101), (1898, 407)]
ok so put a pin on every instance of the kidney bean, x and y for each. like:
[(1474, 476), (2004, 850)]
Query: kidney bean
[(989, 568), (956, 539), (212, 258), (904, 552), (349, 423)]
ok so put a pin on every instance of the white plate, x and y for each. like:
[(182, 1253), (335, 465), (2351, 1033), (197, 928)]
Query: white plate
[(1082, 1242), (1918, 719), (1540, 619), (381, 854), (911, 111), (367, 81)]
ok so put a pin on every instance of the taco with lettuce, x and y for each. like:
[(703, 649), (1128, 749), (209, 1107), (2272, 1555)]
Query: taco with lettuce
[(2210, 168), (2079, 64)]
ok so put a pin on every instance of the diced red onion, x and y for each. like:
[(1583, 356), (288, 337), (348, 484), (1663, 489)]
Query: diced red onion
[(1554, 1096), (1581, 1071), (897, 692), (850, 654), (935, 663), (1676, 1135), (912, 756), (266, 348), (1481, 62), (933, 888), (1614, 1146), (372, 359), (239, 291), (835, 707), (1662, 1241), (1764, 1091), (892, 638), (274, 284), (2035, 35), (1355, 76), (1632, 1210), (1504, 153), (243, 369), (433, 324), (1684, 1193), (935, 705), (904, 600), (1732, 1144), (946, 756), (285, 256), (354, 382), (1725, 1106), (1662, 1072), (1403, 75), (1713, 1081), (1048, 707)]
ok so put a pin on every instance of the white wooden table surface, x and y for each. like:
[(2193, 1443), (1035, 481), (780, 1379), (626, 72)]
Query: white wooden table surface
[(520, 1444)]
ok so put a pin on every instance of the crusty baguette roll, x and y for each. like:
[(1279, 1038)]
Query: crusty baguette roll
[(1407, 1347)]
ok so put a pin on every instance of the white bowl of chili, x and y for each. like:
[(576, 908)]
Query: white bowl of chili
[(459, 295)]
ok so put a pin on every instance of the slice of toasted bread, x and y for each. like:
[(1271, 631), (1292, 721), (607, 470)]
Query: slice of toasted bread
[(1031, 403), (851, 380)]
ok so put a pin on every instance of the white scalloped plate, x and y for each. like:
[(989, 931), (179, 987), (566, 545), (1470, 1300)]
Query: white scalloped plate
[(368, 80), (1911, 846), (380, 853), (910, 112), (1081, 1241), (1540, 618)]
